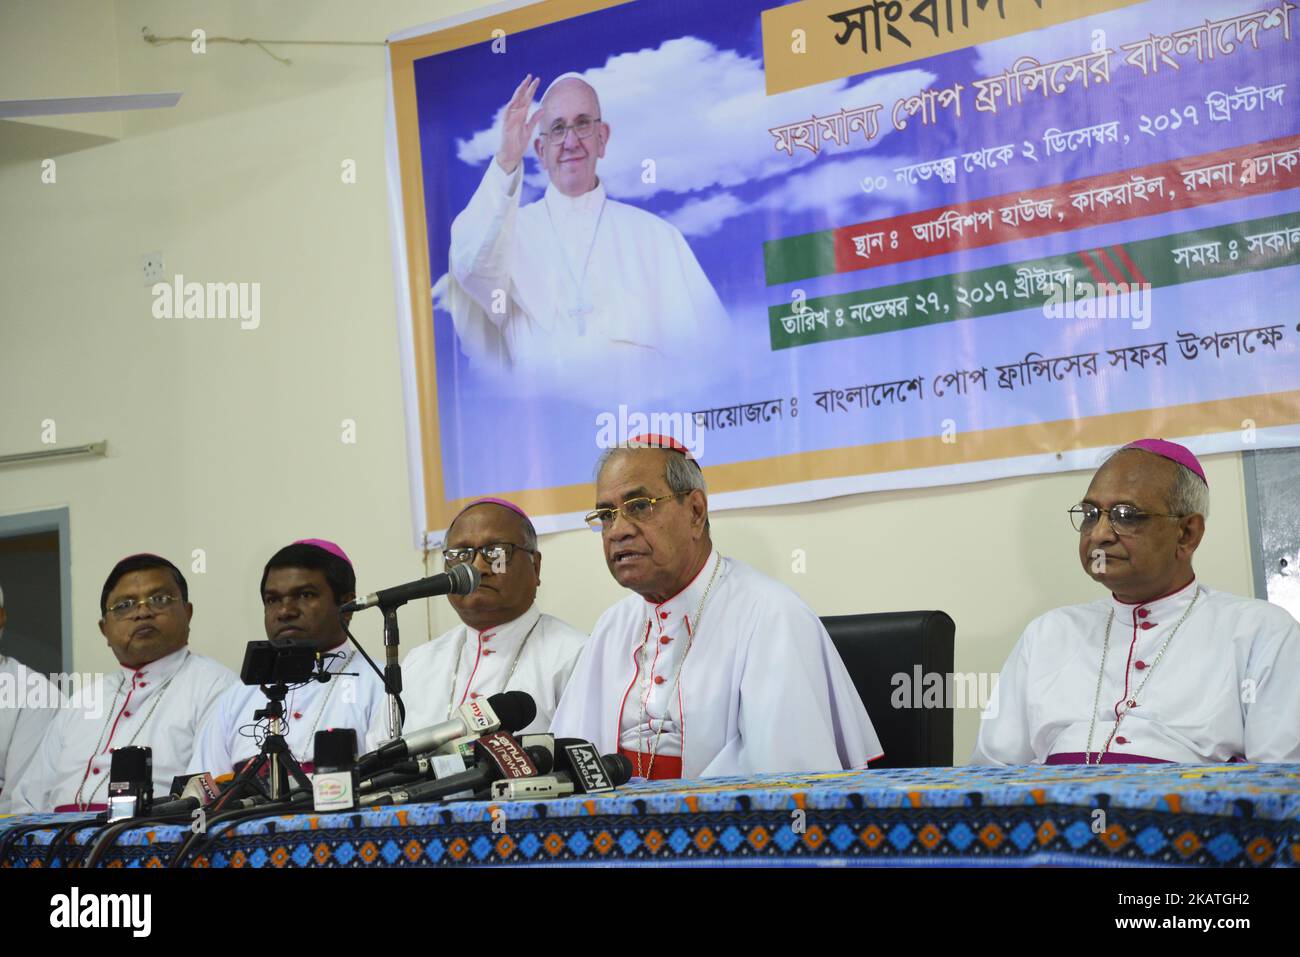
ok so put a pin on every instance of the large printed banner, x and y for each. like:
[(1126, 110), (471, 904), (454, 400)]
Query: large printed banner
[(836, 247)]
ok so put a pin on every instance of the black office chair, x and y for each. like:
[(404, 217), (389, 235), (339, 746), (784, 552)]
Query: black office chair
[(877, 647)]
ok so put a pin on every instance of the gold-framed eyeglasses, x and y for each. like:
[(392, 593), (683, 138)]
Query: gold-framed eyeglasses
[(635, 510), (125, 607), (584, 127), (1125, 519), (496, 554)]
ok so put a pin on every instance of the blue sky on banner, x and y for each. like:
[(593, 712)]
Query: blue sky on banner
[(693, 101)]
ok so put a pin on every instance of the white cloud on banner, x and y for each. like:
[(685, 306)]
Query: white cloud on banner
[(704, 217), (702, 115), (835, 186)]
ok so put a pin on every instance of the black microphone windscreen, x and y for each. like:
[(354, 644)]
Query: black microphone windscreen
[(464, 578), (335, 749), (131, 764), (618, 767), (543, 758), (515, 709)]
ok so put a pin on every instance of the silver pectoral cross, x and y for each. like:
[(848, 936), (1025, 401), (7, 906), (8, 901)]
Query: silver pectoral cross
[(578, 312)]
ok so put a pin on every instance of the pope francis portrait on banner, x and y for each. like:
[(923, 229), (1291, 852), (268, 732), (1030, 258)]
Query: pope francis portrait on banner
[(575, 282)]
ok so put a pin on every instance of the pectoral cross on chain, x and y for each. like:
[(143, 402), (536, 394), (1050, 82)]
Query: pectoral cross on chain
[(578, 312)]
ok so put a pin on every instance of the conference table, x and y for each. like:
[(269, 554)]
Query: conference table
[(1234, 815)]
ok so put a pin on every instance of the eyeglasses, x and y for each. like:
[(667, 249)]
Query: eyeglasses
[(498, 554), (635, 510), (584, 128), (1125, 519), (126, 606)]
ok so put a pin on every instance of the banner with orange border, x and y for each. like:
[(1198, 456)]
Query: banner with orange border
[(839, 247)]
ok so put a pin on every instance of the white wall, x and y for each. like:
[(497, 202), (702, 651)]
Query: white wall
[(229, 440)]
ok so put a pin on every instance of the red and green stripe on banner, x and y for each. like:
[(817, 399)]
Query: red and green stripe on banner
[(1192, 256), (1201, 180)]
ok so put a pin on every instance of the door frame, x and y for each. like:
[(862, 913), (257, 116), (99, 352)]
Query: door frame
[(50, 520)]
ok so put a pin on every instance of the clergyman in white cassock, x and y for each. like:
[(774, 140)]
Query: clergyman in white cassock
[(574, 280), (302, 587), (157, 699), (534, 653), (28, 703), (504, 642), (227, 739), (709, 668), (1164, 669)]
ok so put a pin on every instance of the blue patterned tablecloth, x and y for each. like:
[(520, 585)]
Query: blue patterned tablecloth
[(1115, 815)]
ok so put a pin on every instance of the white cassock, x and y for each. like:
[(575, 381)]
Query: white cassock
[(762, 688), (534, 653), (28, 703), (569, 283), (159, 705), (1225, 689), (226, 738)]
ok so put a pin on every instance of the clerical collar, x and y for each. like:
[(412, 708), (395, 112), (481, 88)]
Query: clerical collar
[(507, 635), (588, 202), (1155, 610), (159, 669), (688, 599)]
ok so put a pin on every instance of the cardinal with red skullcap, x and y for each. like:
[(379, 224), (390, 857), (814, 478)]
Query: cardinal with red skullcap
[(708, 667), (1163, 669)]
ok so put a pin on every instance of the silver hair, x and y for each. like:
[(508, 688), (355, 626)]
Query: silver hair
[(1188, 495), (682, 475)]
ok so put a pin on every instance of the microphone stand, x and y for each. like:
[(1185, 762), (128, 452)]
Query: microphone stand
[(392, 669), (275, 751)]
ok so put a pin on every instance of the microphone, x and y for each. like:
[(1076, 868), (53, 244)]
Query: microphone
[(199, 790), (528, 789), (500, 756), (334, 782), (452, 758), (590, 771), (579, 769), (510, 710), (460, 580), (130, 783)]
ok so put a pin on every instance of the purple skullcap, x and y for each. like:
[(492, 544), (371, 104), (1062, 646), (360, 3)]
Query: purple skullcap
[(325, 546), (1173, 452), (492, 501)]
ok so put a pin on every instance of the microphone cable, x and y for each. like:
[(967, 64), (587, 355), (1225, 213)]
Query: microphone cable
[(401, 705), (107, 837), (11, 835), (65, 835), (234, 816)]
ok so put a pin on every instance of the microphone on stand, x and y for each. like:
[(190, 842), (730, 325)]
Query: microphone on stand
[(460, 580)]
